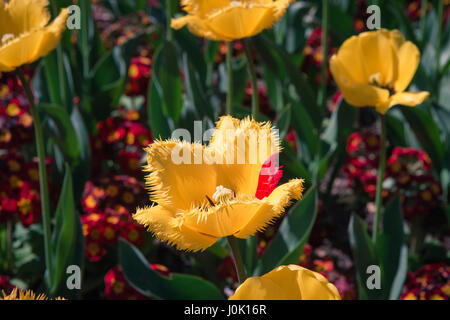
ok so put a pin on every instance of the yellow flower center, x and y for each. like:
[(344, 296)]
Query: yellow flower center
[(25, 206), (222, 194), (426, 195), (133, 235), (26, 120), (109, 233), (128, 197), (7, 37), (14, 165), (112, 191), (90, 202), (12, 110), (134, 71), (93, 248), (118, 287), (375, 78)]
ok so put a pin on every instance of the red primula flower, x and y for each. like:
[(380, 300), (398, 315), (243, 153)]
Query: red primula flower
[(5, 285), (118, 288), (431, 282)]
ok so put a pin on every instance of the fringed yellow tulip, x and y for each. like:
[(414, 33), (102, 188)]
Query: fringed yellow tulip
[(375, 68), (213, 197), (287, 283), (17, 294), (228, 20), (24, 33)]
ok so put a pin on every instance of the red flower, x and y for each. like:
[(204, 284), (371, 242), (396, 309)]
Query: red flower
[(130, 162), (354, 143), (5, 285), (269, 177), (431, 282), (226, 270), (134, 234), (28, 206), (138, 76), (94, 250), (118, 288), (291, 138)]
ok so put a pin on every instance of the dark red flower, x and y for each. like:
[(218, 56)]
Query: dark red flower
[(118, 288), (269, 177), (431, 282)]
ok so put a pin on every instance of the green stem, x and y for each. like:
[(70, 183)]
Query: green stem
[(9, 244), (417, 236), (239, 265), (439, 45), (423, 19), (323, 83), (60, 62), (169, 19), (379, 192), (252, 73), (229, 109), (45, 203)]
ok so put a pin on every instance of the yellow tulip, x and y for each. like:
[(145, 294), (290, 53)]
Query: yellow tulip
[(17, 294), (374, 69), (199, 203), (228, 20), (25, 34), (287, 283)]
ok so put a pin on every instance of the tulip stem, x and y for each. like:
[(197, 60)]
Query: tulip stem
[(229, 109), (9, 244), (323, 82), (238, 264), (423, 19), (440, 13), (169, 18), (379, 192), (45, 203), (252, 73)]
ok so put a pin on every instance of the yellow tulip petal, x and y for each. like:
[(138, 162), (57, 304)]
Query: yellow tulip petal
[(197, 26), (280, 7), (52, 35), (272, 208), (409, 59), (378, 58), (243, 146), (21, 50), (316, 287), (32, 45), (175, 184), (227, 20), (397, 39), (167, 227), (356, 93), (349, 59), (283, 195), (18, 294), (4, 68), (224, 219), (202, 8), (237, 22), (259, 288), (28, 15), (409, 99), (290, 282)]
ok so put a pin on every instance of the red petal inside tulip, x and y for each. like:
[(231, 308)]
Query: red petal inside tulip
[(269, 177)]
